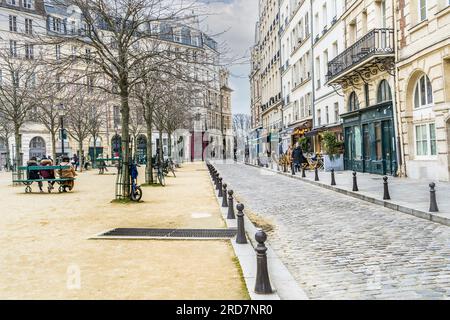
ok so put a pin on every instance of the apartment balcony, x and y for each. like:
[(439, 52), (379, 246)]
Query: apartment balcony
[(372, 53)]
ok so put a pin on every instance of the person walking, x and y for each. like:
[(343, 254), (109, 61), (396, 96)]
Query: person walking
[(67, 173), (34, 174), (297, 157), (47, 174)]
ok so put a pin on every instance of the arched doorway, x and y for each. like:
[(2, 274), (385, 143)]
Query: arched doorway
[(116, 146), (37, 147), (141, 149)]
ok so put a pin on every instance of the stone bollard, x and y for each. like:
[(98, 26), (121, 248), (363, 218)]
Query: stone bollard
[(316, 174), (240, 237), (262, 285), (230, 205), (355, 182), (217, 181), (224, 196), (333, 180), (303, 172), (433, 203), (386, 195), (219, 187)]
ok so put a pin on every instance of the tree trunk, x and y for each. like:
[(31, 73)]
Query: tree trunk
[(80, 157), (18, 161), (125, 140), (8, 155), (53, 134), (161, 156), (148, 165), (94, 161), (169, 144)]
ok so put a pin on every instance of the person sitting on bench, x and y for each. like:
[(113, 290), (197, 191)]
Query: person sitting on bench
[(67, 173), (47, 174), (34, 174)]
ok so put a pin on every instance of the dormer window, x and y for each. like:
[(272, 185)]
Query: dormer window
[(28, 4), (13, 2)]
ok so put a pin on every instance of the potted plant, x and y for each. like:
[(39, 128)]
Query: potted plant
[(333, 157), (303, 142)]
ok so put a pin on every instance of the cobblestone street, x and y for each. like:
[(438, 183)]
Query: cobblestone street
[(338, 247)]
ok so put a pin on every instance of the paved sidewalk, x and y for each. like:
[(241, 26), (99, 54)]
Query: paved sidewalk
[(407, 195), (46, 251), (339, 247)]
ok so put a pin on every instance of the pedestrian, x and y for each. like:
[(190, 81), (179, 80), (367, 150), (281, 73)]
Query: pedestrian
[(289, 156), (297, 157), (67, 173), (75, 161), (34, 174), (47, 174)]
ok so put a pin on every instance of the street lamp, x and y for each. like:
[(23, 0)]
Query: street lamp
[(62, 113)]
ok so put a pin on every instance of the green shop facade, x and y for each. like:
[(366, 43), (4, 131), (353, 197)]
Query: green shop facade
[(370, 140)]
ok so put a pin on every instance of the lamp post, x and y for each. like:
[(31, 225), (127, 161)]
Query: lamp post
[(62, 113)]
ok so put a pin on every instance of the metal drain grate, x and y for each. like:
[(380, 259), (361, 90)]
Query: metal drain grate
[(171, 233)]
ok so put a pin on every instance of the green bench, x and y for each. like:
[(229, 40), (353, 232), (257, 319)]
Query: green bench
[(28, 182)]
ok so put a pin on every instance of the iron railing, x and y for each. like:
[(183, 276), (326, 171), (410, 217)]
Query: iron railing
[(376, 42)]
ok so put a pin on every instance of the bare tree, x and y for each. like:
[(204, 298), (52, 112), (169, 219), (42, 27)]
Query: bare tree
[(6, 132), (17, 91), (120, 36)]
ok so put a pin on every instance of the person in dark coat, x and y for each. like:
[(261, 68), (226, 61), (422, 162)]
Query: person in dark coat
[(297, 156), (48, 174), (34, 174)]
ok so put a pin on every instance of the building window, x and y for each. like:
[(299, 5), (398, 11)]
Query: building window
[(384, 92), (28, 4), (28, 26), (353, 103), (13, 48), (29, 51), (13, 2), (58, 51), (319, 117), (13, 23), (425, 136), (422, 10), (327, 115), (336, 112), (423, 92)]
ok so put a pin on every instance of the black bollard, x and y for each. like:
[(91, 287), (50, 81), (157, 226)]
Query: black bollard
[(240, 237), (217, 181), (303, 172), (316, 174), (219, 194), (262, 285), (292, 168), (224, 196), (386, 195), (333, 180), (355, 183), (433, 203), (230, 205)]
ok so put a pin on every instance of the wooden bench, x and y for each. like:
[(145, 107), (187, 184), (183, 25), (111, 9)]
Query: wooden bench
[(28, 182)]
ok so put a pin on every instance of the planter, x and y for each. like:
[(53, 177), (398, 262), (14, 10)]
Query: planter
[(337, 163)]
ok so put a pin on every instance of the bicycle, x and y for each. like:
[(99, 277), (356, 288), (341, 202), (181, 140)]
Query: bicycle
[(169, 167), (136, 191), (160, 175)]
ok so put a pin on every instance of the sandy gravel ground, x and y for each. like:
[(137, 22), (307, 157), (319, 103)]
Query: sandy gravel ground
[(45, 251)]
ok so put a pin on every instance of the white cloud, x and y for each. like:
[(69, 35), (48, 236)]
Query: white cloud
[(233, 21)]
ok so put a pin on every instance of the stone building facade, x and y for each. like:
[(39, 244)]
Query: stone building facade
[(424, 87)]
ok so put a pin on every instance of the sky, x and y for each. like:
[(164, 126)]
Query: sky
[(232, 23)]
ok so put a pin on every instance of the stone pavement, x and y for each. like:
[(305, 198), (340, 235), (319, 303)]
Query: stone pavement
[(339, 247), (411, 196)]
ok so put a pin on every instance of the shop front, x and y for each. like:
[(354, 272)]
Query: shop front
[(369, 140), (317, 137), (301, 131)]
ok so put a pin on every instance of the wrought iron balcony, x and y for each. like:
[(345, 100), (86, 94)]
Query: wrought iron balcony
[(376, 43)]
